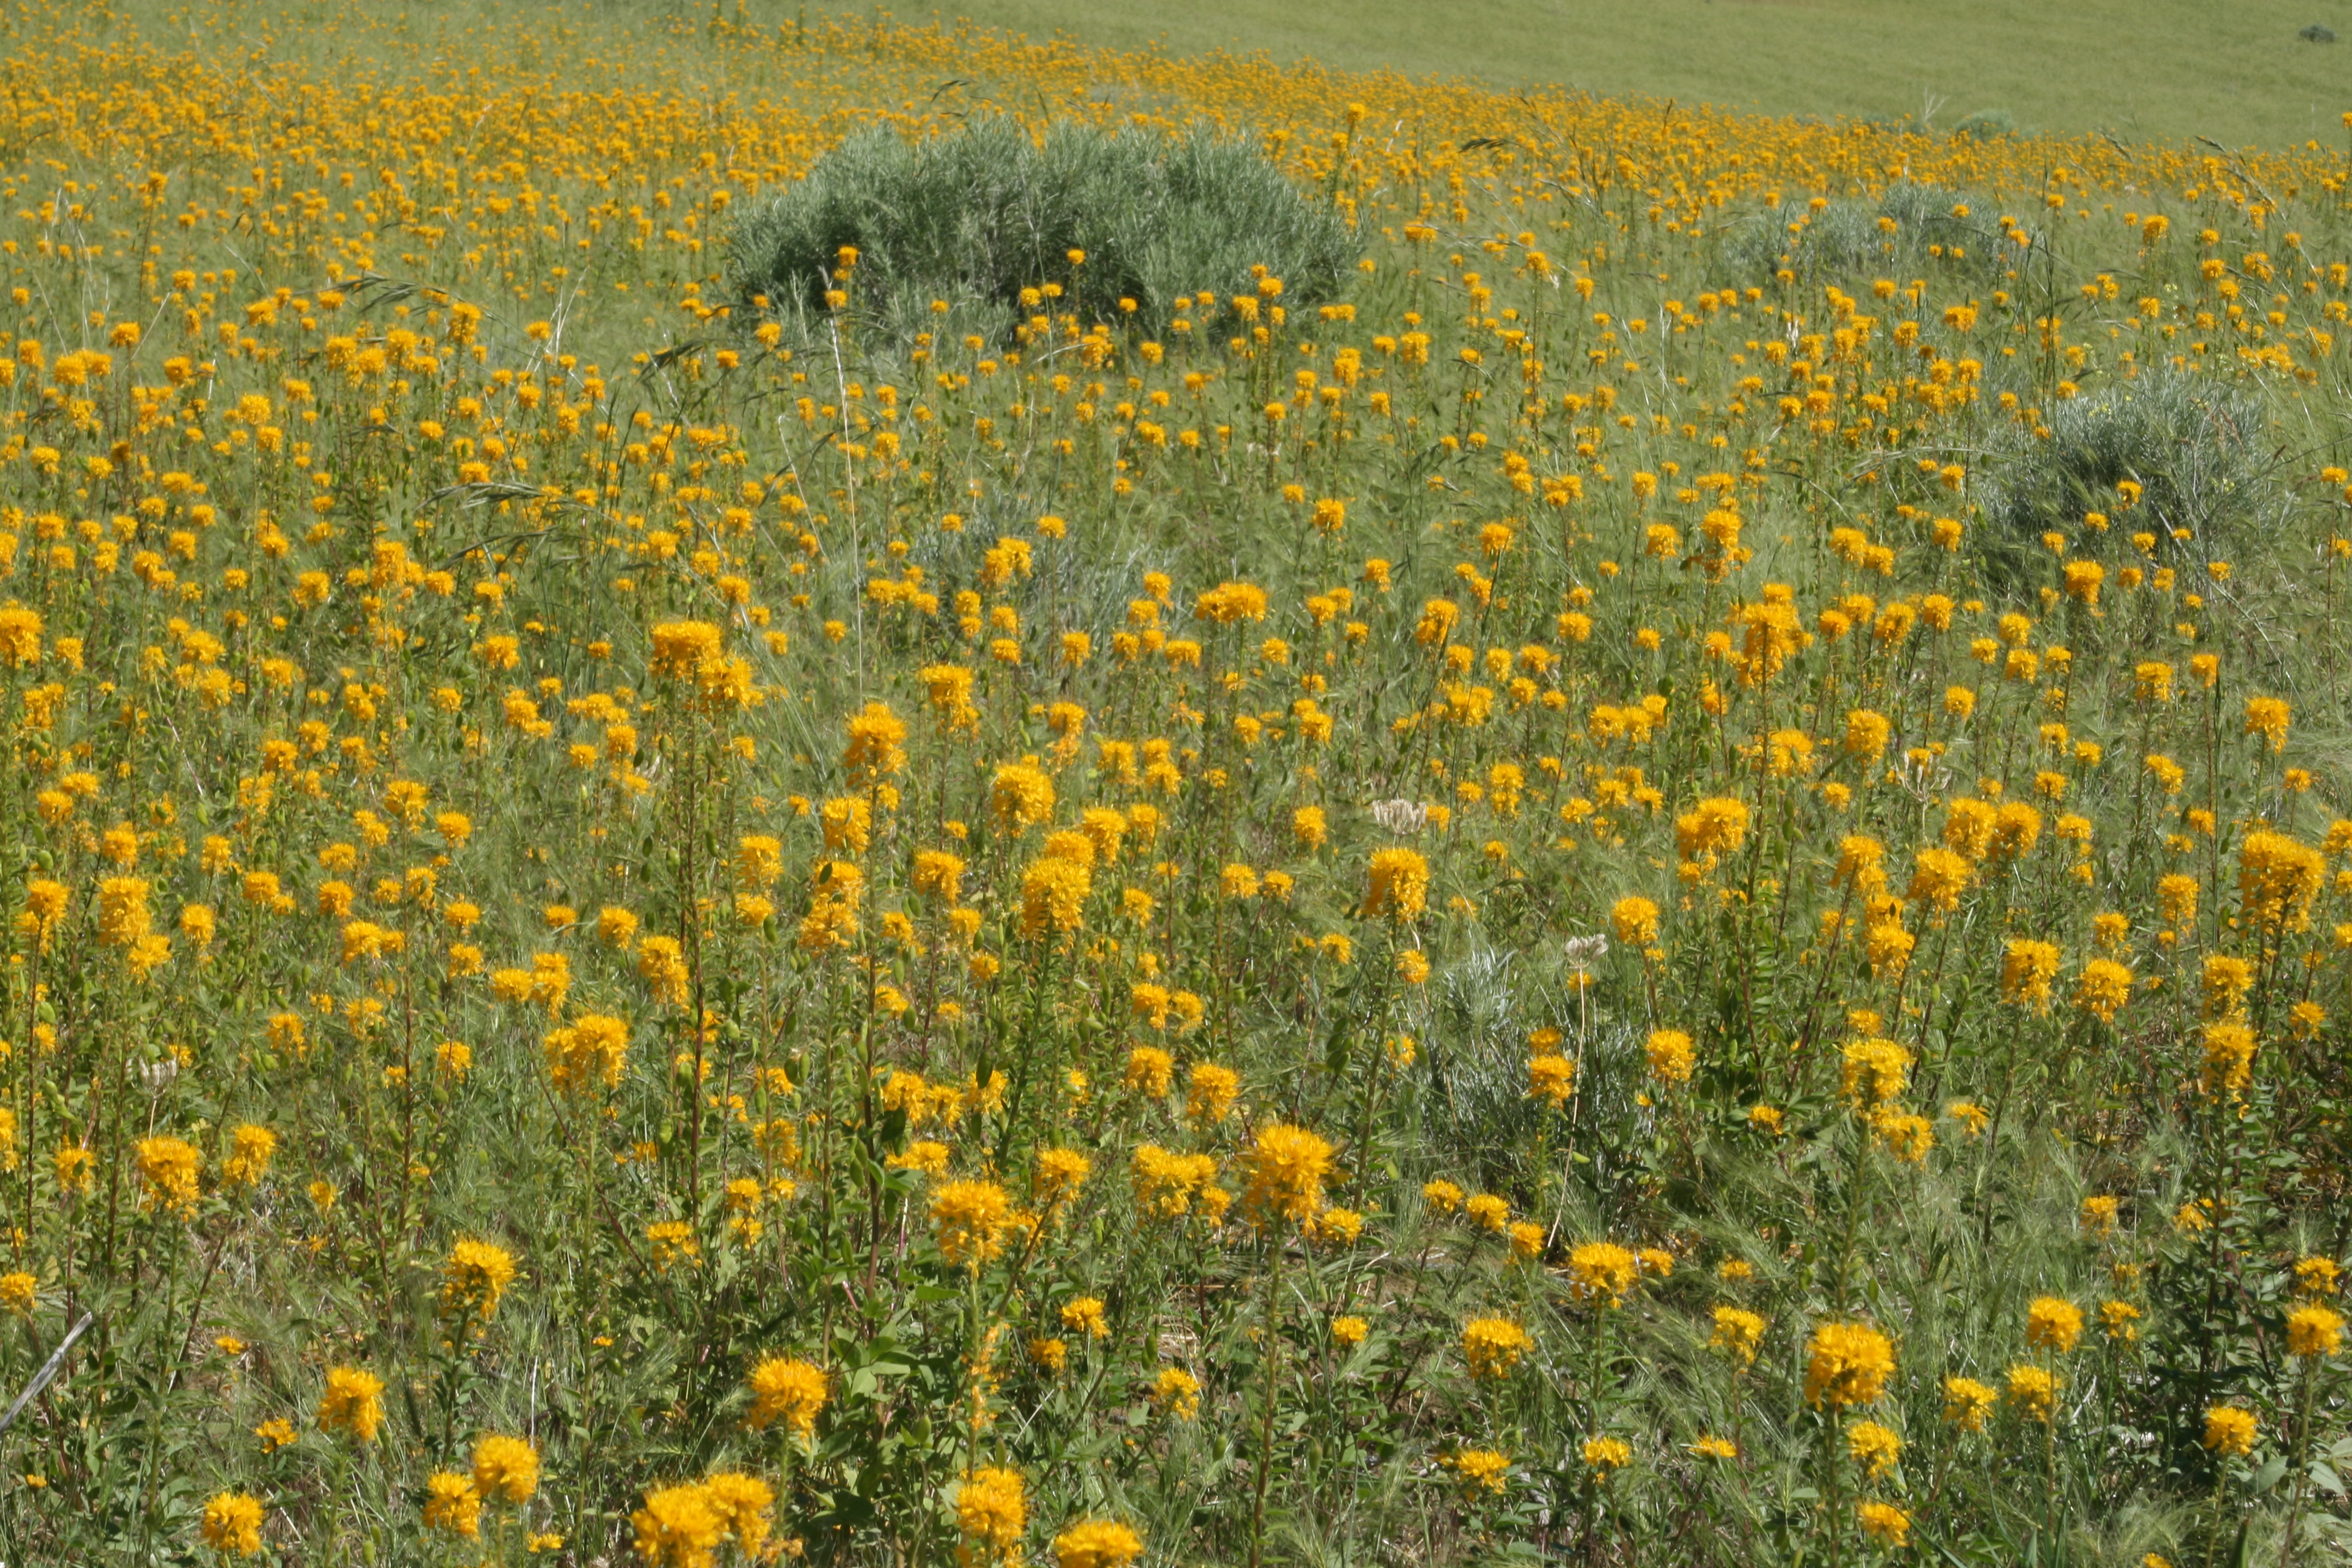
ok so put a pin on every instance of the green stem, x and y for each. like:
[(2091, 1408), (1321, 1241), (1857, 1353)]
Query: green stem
[(1266, 1431), (1830, 1463), (2302, 1468)]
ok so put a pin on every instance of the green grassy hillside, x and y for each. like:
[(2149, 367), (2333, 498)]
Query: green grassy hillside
[(2171, 69)]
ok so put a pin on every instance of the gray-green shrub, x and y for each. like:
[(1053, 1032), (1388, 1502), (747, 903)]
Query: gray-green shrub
[(2198, 450), (1846, 239), (1986, 123), (973, 218)]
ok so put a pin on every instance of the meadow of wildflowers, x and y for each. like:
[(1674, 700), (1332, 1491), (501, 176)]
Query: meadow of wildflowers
[(1640, 889)]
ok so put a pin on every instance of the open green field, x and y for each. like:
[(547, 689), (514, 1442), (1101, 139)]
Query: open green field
[(2171, 70)]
